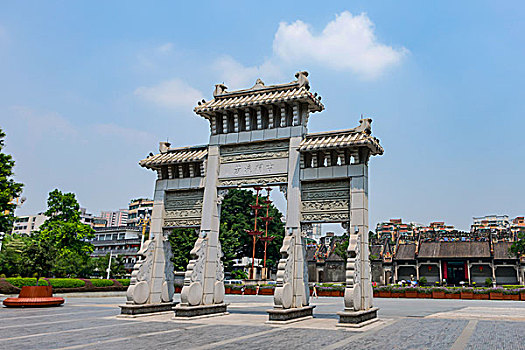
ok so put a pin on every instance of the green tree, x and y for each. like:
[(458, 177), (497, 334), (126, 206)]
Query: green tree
[(11, 256), (182, 241), (341, 246), (118, 268), (236, 218), (60, 246), (9, 189), (518, 247)]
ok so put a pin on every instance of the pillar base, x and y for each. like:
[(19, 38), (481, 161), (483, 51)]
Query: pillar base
[(193, 312), (356, 319), (133, 310), (284, 316)]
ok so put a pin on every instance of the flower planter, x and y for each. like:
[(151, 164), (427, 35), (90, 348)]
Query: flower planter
[(480, 296), (178, 289), (335, 293), (376, 294), (438, 295), (452, 295), (411, 294), (424, 295), (467, 295), (511, 297), (227, 290), (398, 295), (266, 291), (249, 291), (235, 291), (384, 294), (522, 296), (323, 293), (496, 296)]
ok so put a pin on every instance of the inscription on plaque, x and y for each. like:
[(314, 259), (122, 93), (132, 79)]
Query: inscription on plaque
[(254, 168)]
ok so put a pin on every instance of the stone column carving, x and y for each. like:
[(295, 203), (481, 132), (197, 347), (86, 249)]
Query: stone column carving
[(203, 290), (291, 297), (151, 288), (358, 291)]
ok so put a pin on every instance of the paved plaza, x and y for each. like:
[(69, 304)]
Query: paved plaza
[(91, 323)]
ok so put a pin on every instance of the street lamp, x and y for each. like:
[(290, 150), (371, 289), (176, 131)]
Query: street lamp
[(2, 234), (144, 221)]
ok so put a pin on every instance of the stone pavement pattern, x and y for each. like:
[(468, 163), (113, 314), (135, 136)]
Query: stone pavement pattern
[(91, 323)]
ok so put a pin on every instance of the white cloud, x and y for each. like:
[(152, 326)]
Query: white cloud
[(173, 93), (236, 76), (347, 43), (127, 134), (46, 124), (165, 48)]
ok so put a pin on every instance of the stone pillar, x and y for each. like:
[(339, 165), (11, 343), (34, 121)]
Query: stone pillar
[(292, 294), (203, 290), (151, 288), (270, 117), (283, 115), (358, 299)]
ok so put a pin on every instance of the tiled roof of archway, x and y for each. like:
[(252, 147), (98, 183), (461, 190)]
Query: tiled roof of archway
[(261, 96), (340, 139), (176, 155)]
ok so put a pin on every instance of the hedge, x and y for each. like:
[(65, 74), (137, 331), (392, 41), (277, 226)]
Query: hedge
[(66, 282), (124, 282), (20, 282), (101, 282)]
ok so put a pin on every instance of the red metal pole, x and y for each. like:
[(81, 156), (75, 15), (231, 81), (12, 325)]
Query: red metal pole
[(254, 238)]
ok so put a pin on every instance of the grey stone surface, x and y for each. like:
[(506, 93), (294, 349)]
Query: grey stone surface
[(133, 309), (497, 335), (90, 323), (290, 314), (356, 317), (200, 310)]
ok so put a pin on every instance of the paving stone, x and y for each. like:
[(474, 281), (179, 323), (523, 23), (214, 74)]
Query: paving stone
[(501, 335), (415, 333)]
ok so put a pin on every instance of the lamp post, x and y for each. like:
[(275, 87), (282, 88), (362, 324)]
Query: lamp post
[(144, 222), (266, 238), (2, 234)]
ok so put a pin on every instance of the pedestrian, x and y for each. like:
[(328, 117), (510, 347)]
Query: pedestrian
[(314, 293)]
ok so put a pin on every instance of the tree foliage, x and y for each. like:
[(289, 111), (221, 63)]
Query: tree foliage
[(9, 189), (60, 248), (236, 218), (518, 247)]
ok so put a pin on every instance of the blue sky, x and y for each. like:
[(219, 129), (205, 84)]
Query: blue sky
[(89, 88)]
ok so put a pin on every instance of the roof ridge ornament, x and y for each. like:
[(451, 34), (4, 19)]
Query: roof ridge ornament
[(365, 125), (220, 89), (259, 84), (302, 79)]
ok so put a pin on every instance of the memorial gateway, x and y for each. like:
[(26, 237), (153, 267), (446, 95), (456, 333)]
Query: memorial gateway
[(258, 137)]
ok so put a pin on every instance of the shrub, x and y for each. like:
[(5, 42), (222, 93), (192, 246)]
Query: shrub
[(481, 291), (43, 282), (101, 282), (125, 282), (422, 281), (510, 286), (66, 282), (488, 282), (21, 282), (508, 291), (425, 290), (453, 290), (2, 275), (398, 290)]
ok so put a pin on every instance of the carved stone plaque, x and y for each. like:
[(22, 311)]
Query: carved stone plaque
[(258, 163), (325, 201), (183, 208)]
